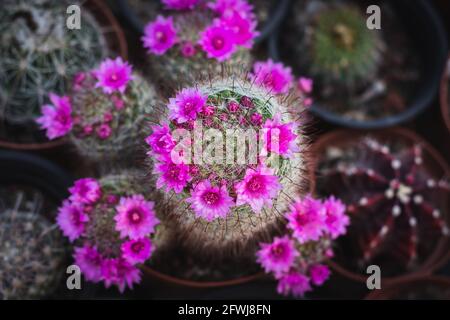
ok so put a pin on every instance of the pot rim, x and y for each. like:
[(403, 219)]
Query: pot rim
[(96, 8), (199, 284), (439, 255), (418, 105)]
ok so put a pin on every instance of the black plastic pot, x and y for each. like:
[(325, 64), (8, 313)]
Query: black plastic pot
[(30, 170), (430, 39), (280, 8)]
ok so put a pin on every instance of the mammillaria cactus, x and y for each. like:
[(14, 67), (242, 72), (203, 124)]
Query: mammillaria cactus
[(199, 35), (295, 259), (337, 47), (40, 54), (226, 206), (31, 253), (104, 112), (396, 203), (111, 221)]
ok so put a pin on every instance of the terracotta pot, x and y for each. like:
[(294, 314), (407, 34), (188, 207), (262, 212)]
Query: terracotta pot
[(445, 108), (413, 285), (117, 43), (437, 165)]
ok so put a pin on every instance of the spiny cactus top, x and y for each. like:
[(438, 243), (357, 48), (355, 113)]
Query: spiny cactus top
[(295, 258), (231, 156), (31, 254), (191, 39), (395, 202), (111, 222), (104, 111), (39, 54), (337, 46)]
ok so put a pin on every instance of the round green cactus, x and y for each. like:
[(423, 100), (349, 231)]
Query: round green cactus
[(339, 47), (233, 105), (39, 54), (31, 253)]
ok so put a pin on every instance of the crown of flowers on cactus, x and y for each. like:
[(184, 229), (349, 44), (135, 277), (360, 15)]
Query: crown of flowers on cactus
[(225, 29), (295, 259), (228, 202), (395, 202), (190, 42), (31, 253), (339, 47), (40, 55), (104, 110), (113, 224), (278, 79)]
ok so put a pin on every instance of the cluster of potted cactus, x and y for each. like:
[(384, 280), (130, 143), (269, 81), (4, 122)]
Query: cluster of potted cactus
[(196, 163)]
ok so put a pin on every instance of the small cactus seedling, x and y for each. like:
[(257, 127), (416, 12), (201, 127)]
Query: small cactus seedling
[(31, 252), (39, 54), (111, 221), (230, 156), (295, 259), (104, 113), (194, 42), (396, 204), (338, 46)]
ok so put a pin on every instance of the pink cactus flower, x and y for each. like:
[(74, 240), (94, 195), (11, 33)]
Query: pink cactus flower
[(319, 273), (180, 4), (278, 256), (274, 76), (56, 119), (258, 188), (218, 42), (120, 273), (160, 35), (85, 191), (294, 283), (336, 220), (113, 75), (280, 137), (135, 217), (90, 261), (71, 220), (186, 105), (137, 251), (210, 202), (306, 219)]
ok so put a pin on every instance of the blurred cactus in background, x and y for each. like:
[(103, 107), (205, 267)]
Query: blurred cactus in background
[(39, 54), (337, 46), (395, 202), (31, 254)]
